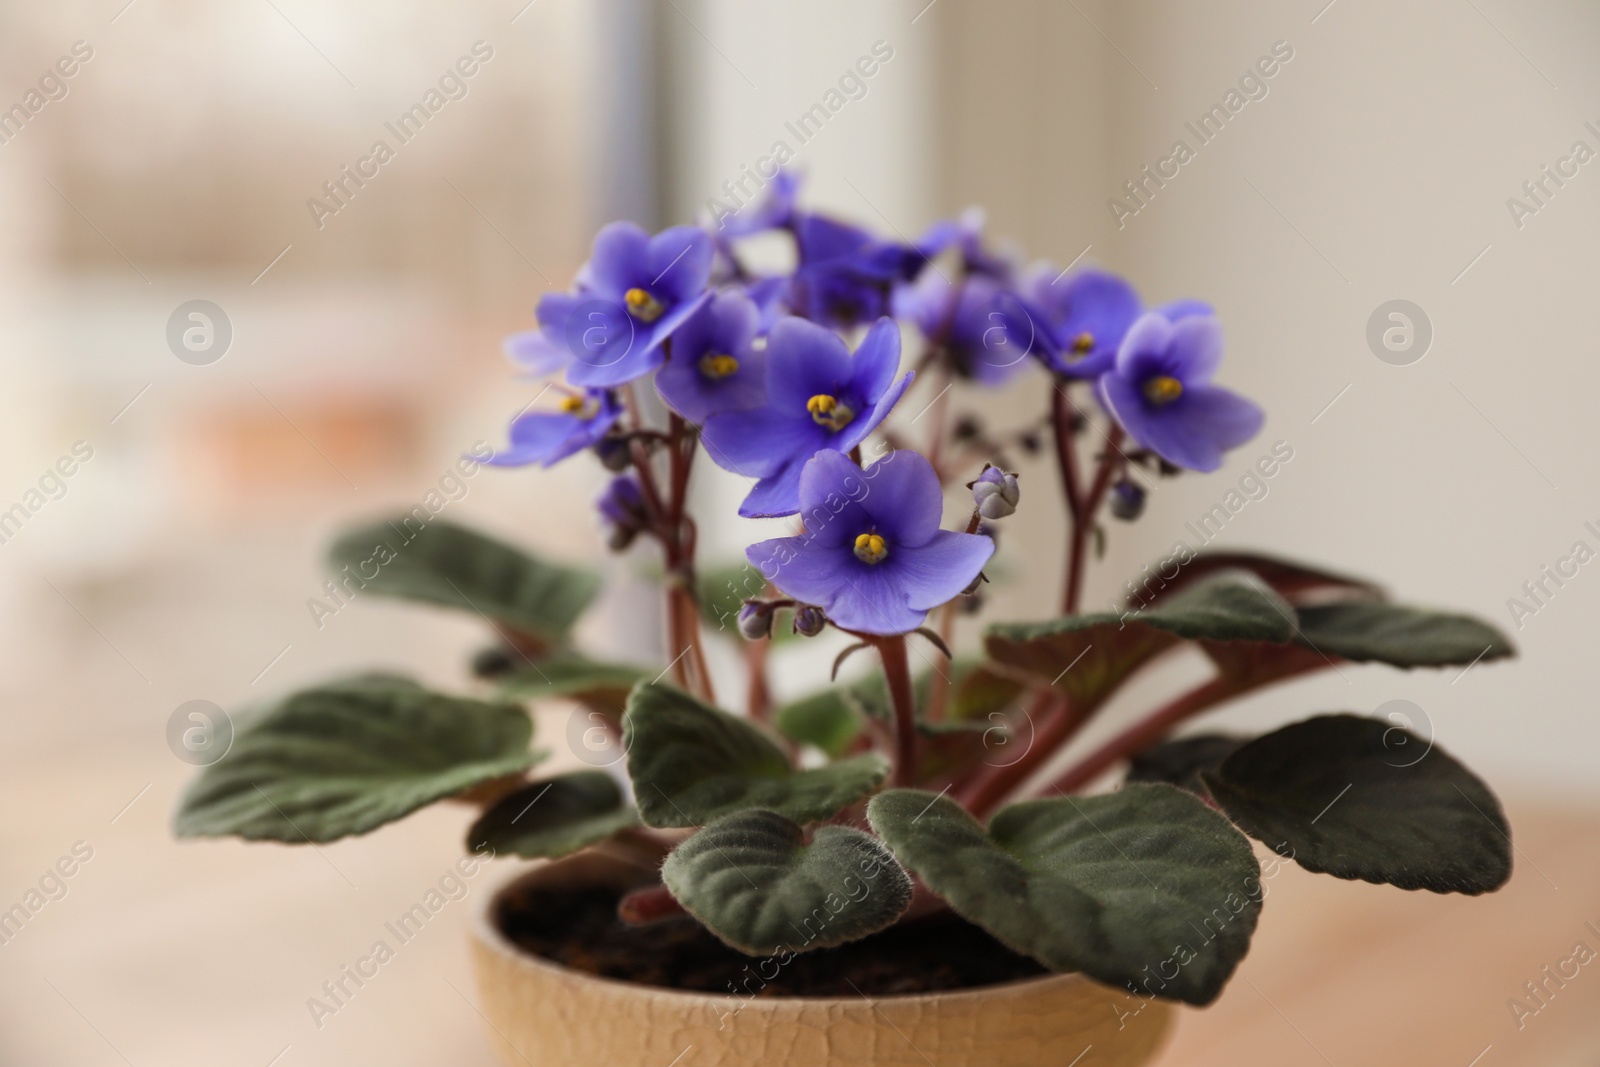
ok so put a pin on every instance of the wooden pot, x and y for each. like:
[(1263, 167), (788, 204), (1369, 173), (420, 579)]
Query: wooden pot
[(544, 1015)]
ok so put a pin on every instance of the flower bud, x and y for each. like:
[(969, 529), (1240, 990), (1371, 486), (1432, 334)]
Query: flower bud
[(622, 508), (996, 493), (809, 620), (614, 454), (1127, 500), (755, 619)]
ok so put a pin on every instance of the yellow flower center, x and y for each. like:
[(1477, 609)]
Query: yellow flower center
[(577, 404), (828, 411), (871, 549), (1162, 390), (643, 306), (717, 366), (1083, 344)]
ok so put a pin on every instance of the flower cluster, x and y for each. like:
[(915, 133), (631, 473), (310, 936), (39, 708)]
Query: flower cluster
[(783, 377)]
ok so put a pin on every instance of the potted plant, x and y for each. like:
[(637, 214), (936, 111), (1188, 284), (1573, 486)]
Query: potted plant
[(892, 868)]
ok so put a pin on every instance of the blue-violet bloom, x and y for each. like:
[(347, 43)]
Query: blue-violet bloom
[(873, 556), (775, 211), (1089, 314), (984, 329), (1160, 391), (712, 364), (548, 437), (845, 274), (634, 293), (818, 397)]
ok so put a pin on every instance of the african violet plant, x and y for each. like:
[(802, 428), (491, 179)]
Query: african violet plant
[(789, 828)]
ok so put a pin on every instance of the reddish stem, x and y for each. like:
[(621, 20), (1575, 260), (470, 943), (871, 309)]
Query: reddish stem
[(649, 905), (1056, 722), (1141, 735), (895, 668)]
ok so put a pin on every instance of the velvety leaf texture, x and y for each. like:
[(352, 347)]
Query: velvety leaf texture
[(1288, 578), (753, 881), (449, 565), (691, 764), (601, 686), (1401, 636), (346, 758), (546, 820), (1088, 656), (824, 720), (1145, 888), (1180, 762), (1351, 798)]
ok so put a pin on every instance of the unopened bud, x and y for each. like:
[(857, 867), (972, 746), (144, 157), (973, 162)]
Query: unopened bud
[(755, 620), (614, 454), (1127, 500), (492, 663), (809, 620), (622, 507), (996, 493)]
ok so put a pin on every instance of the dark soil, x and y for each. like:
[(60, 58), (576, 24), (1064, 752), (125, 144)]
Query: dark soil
[(580, 929)]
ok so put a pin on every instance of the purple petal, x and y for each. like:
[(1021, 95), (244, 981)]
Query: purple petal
[(936, 572), (803, 360), (775, 495), (678, 263), (831, 490), (1192, 431), (862, 425), (903, 498), (1145, 349), (757, 443), (1182, 309), (536, 353), (1197, 348), (800, 566), (876, 360), (870, 600), (619, 259)]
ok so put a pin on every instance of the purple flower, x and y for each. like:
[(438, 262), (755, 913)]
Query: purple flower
[(873, 556), (537, 352), (984, 329), (1160, 391), (846, 274), (634, 293), (818, 397), (775, 211), (1089, 314), (622, 503), (711, 364), (547, 437)]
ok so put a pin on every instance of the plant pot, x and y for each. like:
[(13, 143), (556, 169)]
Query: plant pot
[(546, 1015)]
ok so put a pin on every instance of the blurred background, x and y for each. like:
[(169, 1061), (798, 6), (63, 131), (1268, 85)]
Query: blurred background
[(1399, 151)]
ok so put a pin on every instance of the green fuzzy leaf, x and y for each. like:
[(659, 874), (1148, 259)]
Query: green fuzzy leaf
[(1180, 762), (1346, 794), (824, 719), (1124, 887), (1400, 636), (1088, 656), (982, 692), (1288, 578), (449, 565), (546, 820), (692, 764), (752, 879), (348, 757), (604, 687)]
